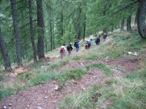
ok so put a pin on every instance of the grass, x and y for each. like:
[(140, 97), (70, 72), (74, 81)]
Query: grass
[(81, 100), (131, 94), (2, 76), (123, 93), (70, 74), (90, 56), (103, 66), (40, 78), (57, 64), (7, 89)]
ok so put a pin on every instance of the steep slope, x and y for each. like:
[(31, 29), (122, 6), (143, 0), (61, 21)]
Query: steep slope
[(94, 78)]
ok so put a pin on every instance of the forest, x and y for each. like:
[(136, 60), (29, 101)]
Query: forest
[(30, 28), (110, 74)]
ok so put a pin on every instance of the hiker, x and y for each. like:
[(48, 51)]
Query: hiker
[(77, 45), (104, 35), (97, 40), (90, 41), (62, 51), (87, 45), (69, 48)]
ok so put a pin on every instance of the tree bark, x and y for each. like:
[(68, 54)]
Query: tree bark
[(40, 21), (129, 24), (84, 26), (141, 18), (16, 32), (79, 22), (32, 32), (51, 35), (3, 49), (122, 24)]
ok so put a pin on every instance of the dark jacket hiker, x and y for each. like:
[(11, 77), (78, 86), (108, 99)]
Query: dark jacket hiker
[(97, 40), (69, 48), (77, 45)]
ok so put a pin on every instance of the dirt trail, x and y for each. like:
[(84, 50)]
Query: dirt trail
[(44, 96)]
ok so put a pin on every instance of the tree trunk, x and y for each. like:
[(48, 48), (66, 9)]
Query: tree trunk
[(16, 32), (32, 32), (79, 23), (40, 21), (122, 24), (129, 24), (51, 35), (5, 55), (61, 19), (62, 30), (84, 26), (141, 17)]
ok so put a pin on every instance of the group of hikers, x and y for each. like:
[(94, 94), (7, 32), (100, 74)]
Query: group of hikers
[(88, 44)]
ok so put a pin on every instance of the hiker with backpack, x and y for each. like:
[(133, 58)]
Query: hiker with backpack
[(69, 48), (77, 45), (62, 51), (104, 35), (90, 41), (97, 40), (87, 45)]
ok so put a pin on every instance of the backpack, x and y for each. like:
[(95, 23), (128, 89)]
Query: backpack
[(75, 44), (62, 49), (68, 48)]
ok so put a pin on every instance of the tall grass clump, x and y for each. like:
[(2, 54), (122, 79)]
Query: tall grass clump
[(82, 100), (57, 64), (7, 89), (90, 57), (75, 57), (130, 94), (40, 78), (103, 66), (70, 74)]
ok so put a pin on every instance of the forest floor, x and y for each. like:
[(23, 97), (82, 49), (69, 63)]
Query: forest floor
[(48, 95)]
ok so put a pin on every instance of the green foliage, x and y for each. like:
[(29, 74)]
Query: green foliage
[(75, 57), (70, 74), (7, 89), (103, 66), (40, 78), (132, 41), (67, 38), (81, 100), (138, 74), (2, 76), (115, 48), (57, 64), (90, 57)]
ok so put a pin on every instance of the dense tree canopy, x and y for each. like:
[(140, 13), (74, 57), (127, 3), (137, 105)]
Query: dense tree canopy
[(42, 25)]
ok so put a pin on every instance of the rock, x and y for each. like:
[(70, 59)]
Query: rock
[(94, 97), (10, 104), (56, 87), (13, 75), (27, 105), (39, 107), (46, 97), (82, 88), (43, 67), (74, 81), (4, 107), (82, 64), (133, 53)]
